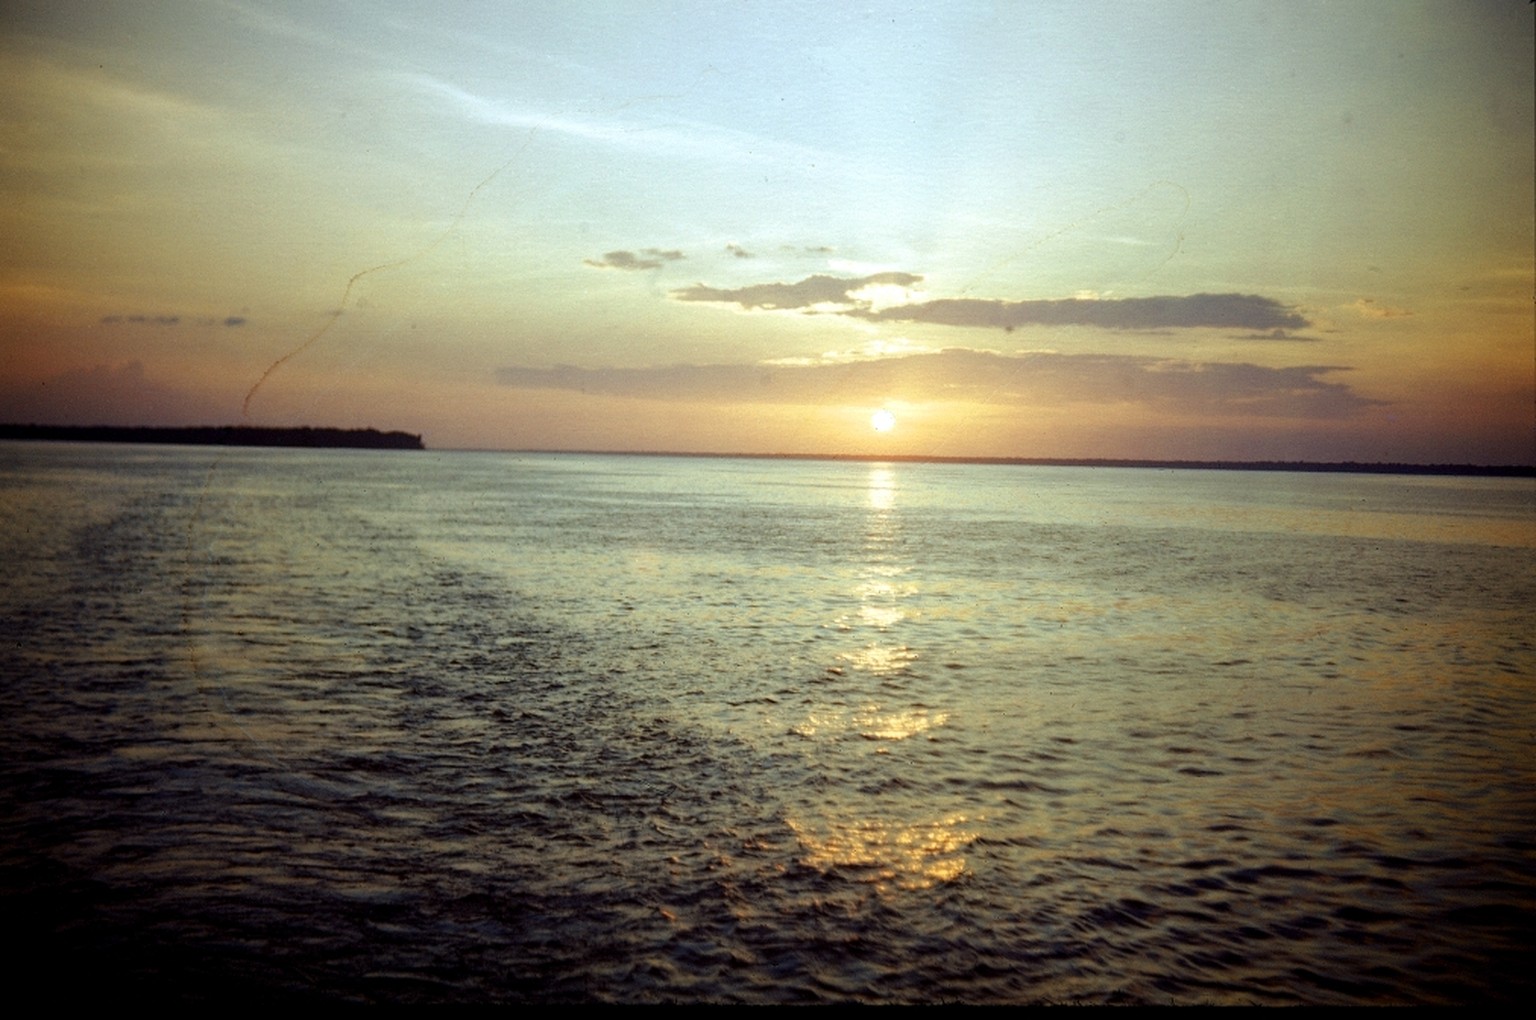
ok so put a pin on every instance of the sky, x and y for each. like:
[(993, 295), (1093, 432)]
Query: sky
[(1181, 230)]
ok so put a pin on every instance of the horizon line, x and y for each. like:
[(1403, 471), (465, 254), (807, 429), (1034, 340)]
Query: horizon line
[(1359, 467), (146, 434)]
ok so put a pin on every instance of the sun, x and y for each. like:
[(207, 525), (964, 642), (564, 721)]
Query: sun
[(882, 420)]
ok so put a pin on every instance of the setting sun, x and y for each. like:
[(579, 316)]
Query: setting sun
[(882, 420)]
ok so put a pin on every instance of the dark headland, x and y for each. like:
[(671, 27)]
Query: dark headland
[(222, 435)]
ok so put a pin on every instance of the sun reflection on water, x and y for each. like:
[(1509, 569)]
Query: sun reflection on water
[(881, 593), (881, 607), (913, 857), (877, 725), (882, 488), (881, 660), (887, 854), (871, 723)]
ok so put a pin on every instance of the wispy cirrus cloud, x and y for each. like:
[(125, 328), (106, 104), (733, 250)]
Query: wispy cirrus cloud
[(649, 258), (673, 136), (1039, 378)]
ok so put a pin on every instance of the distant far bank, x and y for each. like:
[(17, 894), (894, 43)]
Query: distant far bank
[(1343, 467), (373, 439), (224, 435)]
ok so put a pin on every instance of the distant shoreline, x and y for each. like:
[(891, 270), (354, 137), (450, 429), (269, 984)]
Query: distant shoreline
[(372, 439), (1340, 467), (224, 435)]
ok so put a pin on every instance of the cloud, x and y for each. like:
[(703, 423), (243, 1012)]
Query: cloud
[(807, 294), (1371, 310), (626, 130), (738, 251), (963, 374), (1193, 311), (168, 320), (140, 320), (1278, 334), (649, 258)]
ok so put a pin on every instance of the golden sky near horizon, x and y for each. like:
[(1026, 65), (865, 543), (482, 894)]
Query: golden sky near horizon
[(1169, 230)]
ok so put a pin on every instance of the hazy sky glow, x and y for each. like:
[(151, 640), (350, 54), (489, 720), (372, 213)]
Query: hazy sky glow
[(1168, 230)]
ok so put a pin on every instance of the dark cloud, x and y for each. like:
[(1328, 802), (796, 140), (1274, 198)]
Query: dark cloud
[(1169, 312), (1220, 388), (1193, 311), (649, 258), (811, 291), (235, 320), (739, 251)]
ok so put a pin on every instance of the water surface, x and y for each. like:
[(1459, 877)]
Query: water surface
[(476, 727)]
